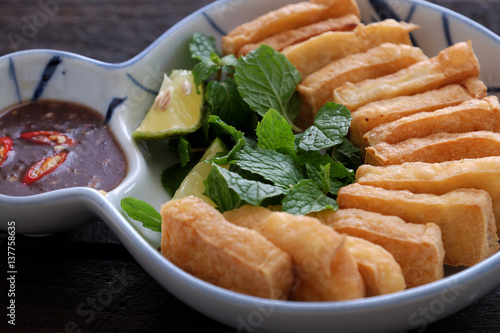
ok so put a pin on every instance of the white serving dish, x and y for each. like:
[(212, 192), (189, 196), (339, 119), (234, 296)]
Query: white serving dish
[(132, 86)]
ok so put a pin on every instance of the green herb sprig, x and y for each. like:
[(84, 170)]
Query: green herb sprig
[(251, 105), (296, 173), (143, 212)]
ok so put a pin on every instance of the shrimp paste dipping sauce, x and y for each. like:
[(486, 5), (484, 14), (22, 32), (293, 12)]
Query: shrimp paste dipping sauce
[(47, 145)]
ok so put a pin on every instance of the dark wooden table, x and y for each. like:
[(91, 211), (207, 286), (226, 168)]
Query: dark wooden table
[(85, 280)]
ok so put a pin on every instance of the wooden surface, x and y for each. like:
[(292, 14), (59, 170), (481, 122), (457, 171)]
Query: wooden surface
[(85, 280)]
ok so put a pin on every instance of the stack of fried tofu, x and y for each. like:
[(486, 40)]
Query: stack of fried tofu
[(429, 119)]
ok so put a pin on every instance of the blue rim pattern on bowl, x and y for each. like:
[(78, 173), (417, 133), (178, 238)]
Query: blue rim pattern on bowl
[(45, 77)]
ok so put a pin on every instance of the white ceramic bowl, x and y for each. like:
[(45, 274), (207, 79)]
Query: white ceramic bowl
[(124, 91)]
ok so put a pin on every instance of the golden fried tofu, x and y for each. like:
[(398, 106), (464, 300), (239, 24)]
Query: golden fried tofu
[(451, 65), (380, 271), (465, 217), (438, 178), (435, 148), (197, 238), (247, 216), (286, 38), (384, 111), (469, 116), (317, 88), (317, 52), (286, 18), (417, 248), (475, 87), (324, 267)]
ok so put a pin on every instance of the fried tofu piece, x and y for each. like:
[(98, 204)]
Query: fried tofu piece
[(317, 52), (317, 88), (438, 178), (417, 248), (435, 148), (325, 269), (247, 216), (286, 18), (197, 238), (384, 111), (286, 38), (469, 116), (465, 217), (475, 87), (380, 271), (451, 65)]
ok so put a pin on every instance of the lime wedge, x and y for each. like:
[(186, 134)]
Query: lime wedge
[(193, 183), (176, 110)]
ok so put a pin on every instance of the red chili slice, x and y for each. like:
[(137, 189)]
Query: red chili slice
[(5, 148), (44, 167), (52, 138)]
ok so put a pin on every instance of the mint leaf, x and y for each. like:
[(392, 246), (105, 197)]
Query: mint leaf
[(275, 133), (348, 154), (230, 191), (266, 79), (307, 197), (201, 47), (221, 128), (143, 212), (280, 169), (334, 120), (217, 190), (325, 178), (329, 128), (321, 176), (225, 102), (204, 70), (315, 162), (293, 108), (314, 139), (183, 149), (228, 63), (340, 172), (251, 191)]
